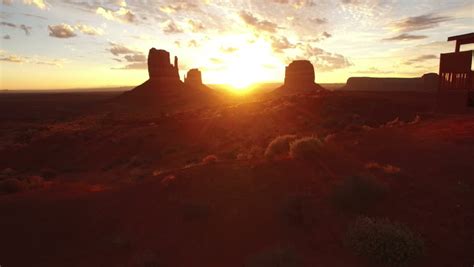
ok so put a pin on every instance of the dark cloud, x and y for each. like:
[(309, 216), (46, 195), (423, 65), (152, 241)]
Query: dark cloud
[(6, 37), (419, 22), (406, 37), (26, 29), (420, 59), (259, 24), (134, 66), (61, 31), (13, 59), (135, 58)]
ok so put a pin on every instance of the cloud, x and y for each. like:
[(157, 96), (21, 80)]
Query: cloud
[(118, 49), (41, 4), (123, 14), (134, 66), (420, 59), (229, 50), (13, 59), (406, 37), (23, 27), (31, 60), (326, 61), (183, 6), (6, 37), (196, 26), (136, 58), (279, 44), (417, 23), (7, 2), (89, 30), (61, 31), (318, 21), (171, 28), (258, 24)]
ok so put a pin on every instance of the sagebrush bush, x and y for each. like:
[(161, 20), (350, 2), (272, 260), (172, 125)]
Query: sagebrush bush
[(209, 159), (356, 193), (306, 148), (384, 242), (279, 256), (279, 146), (11, 185)]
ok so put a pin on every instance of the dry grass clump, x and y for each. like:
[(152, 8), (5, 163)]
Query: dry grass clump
[(279, 256), (279, 146), (306, 148), (356, 193), (384, 242), (210, 159)]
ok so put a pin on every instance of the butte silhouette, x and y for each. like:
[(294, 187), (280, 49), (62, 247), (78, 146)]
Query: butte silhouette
[(164, 88), (299, 79)]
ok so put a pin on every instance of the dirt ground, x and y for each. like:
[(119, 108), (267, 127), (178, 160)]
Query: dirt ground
[(193, 187)]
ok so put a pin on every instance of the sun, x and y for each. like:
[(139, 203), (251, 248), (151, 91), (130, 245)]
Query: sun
[(246, 65)]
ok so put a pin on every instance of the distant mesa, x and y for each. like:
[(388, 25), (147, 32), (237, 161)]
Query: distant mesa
[(299, 78), (193, 78), (428, 82), (164, 89)]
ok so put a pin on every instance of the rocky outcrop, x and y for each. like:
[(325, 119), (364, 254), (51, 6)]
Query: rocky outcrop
[(299, 79), (193, 78), (159, 66), (164, 91), (299, 72), (428, 82)]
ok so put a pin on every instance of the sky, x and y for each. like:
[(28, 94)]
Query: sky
[(52, 44)]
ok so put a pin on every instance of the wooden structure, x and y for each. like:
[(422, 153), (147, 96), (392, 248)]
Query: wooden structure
[(456, 83)]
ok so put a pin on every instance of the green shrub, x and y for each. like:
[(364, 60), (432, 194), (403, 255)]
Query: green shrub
[(275, 257), (306, 148), (384, 242), (356, 193), (279, 146)]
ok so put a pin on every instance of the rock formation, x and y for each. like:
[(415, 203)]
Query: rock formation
[(164, 91), (159, 66), (299, 78), (428, 82), (193, 78), (299, 72)]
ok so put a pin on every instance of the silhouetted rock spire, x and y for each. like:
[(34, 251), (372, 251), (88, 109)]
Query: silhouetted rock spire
[(159, 66), (193, 78)]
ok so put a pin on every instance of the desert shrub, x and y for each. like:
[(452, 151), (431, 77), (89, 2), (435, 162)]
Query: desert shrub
[(356, 193), (11, 185), (35, 182), (48, 173), (384, 242), (299, 211), (305, 148), (275, 257), (279, 146), (209, 159)]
